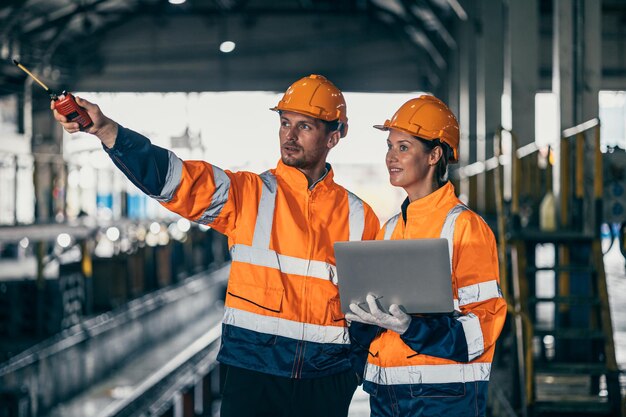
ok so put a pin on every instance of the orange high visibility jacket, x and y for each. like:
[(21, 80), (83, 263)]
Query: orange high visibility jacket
[(282, 312), (441, 365)]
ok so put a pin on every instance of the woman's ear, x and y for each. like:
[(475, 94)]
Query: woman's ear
[(435, 155)]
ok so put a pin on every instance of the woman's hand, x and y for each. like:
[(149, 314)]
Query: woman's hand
[(396, 320)]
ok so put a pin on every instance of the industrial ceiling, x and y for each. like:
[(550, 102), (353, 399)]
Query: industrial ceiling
[(152, 45)]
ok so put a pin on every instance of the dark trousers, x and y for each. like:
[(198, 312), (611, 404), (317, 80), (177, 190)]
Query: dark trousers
[(253, 394)]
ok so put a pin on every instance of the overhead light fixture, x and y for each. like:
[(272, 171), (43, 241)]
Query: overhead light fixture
[(177, 1), (227, 46), (155, 228), (113, 233), (64, 240)]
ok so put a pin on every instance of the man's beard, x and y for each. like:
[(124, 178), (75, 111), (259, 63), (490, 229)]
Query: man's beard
[(294, 162)]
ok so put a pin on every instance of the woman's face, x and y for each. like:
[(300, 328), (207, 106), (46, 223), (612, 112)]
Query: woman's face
[(408, 163)]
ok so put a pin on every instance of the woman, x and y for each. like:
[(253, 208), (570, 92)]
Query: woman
[(432, 365)]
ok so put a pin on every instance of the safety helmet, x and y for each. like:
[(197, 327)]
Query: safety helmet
[(428, 118), (317, 97)]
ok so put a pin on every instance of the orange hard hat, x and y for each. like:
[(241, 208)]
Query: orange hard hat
[(428, 118), (317, 97)]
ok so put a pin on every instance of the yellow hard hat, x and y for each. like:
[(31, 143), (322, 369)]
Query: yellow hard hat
[(317, 97), (428, 118)]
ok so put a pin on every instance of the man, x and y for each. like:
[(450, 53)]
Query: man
[(284, 339)]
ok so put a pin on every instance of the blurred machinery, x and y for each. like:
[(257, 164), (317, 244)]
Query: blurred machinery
[(614, 196), (559, 333), (53, 277), (61, 284)]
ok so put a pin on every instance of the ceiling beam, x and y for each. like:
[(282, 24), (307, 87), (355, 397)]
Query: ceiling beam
[(431, 21), (458, 9), (12, 19), (411, 25), (67, 13), (415, 30), (395, 16)]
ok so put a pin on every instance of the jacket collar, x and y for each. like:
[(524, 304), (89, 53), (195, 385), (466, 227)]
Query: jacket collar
[(434, 201), (295, 178)]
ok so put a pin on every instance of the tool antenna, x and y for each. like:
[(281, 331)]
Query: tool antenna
[(23, 68)]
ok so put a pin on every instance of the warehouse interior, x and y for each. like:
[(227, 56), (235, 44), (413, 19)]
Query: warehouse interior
[(110, 305)]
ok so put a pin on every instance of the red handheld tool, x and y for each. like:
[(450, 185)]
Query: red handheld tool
[(67, 106)]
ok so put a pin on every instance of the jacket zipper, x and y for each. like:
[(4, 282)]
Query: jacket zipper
[(301, 352)]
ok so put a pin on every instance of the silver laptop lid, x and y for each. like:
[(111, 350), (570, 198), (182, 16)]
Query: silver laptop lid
[(414, 273)]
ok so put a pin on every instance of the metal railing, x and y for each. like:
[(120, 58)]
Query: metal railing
[(181, 380)]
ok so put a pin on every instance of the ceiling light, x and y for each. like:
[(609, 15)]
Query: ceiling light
[(113, 233), (64, 240), (176, 1), (183, 225), (227, 46), (155, 228)]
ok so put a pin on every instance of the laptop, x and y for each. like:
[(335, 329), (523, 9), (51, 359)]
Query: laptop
[(414, 273)]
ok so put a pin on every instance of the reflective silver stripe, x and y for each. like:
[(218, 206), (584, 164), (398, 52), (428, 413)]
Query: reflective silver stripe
[(220, 196), (473, 335), (390, 226), (471, 323), (357, 217), (283, 263), (286, 328), (447, 231), (172, 178), (428, 374), (265, 215), (479, 292)]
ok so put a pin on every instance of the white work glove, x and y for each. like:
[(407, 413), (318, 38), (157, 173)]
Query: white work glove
[(396, 320)]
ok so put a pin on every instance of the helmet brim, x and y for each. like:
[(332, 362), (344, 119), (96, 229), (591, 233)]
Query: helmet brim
[(343, 125), (381, 127), (298, 111)]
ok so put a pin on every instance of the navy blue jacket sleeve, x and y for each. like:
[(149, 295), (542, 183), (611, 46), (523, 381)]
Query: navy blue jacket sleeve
[(439, 336), (361, 335), (144, 164)]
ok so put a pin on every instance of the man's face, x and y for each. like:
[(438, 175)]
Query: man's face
[(304, 141)]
